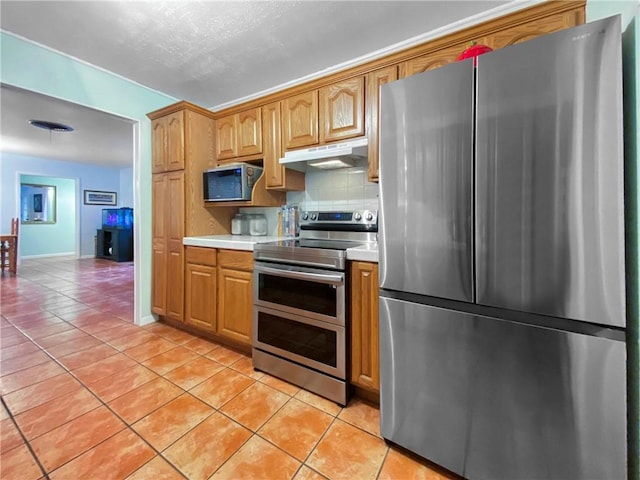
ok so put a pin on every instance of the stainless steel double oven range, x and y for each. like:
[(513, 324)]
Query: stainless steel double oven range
[(300, 292)]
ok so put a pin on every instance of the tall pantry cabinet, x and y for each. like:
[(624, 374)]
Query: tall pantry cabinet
[(182, 144)]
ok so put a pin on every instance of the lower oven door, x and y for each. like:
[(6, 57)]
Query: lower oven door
[(310, 292), (313, 343)]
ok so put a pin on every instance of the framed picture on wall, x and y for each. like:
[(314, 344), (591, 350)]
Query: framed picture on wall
[(96, 197)]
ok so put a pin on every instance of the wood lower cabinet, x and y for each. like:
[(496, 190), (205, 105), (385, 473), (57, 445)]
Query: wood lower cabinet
[(365, 363), (201, 288), (235, 295)]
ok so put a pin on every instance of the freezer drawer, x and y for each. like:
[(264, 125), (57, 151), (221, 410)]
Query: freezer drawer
[(494, 399), (426, 192), (550, 209)]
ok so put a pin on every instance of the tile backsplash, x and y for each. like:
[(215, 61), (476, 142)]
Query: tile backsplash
[(341, 189), (344, 188)]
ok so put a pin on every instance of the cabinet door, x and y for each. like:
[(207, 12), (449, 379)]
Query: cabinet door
[(535, 28), (277, 176), (175, 141), (274, 172), (374, 81), (365, 364), (159, 145), (431, 60), (175, 257), (249, 132), (235, 304), (342, 110), (159, 245), (200, 296), (226, 131), (300, 120)]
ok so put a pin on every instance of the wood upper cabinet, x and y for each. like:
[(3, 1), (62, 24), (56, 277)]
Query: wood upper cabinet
[(300, 120), (342, 110), (533, 29), (167, 143), (523, 29), (365, 363), (201, 288), (431, 60), (235, 295), (374, 81), (250, 132), (277, 176), (226, 137), (239, 135)]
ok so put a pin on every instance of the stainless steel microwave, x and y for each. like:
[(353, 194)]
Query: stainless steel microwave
[(230, 182)]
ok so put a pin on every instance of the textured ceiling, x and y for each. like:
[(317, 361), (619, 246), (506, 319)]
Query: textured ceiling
[(212, 53)]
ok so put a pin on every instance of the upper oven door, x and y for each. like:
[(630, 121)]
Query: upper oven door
[(313, 293)]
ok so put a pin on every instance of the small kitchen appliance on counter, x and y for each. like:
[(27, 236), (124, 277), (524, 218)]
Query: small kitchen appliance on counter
[(300, 315)]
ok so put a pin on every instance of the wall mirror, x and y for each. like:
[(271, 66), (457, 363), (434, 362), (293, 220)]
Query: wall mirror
[(37, 204)]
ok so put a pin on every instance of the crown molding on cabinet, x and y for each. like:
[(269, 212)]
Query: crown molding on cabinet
[(512, 14)]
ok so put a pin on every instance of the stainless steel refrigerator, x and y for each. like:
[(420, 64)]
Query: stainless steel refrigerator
[(502, 301)]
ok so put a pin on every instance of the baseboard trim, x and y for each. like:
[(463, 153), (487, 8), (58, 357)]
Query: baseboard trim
[(146, 320), (47, 255)]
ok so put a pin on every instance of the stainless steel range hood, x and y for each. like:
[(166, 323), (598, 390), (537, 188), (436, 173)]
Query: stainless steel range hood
[(325, 157)]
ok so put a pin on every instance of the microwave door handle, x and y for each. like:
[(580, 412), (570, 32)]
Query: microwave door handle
[(317, 277)]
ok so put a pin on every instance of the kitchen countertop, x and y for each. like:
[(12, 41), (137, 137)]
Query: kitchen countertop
[(231, 242), (364, 253)]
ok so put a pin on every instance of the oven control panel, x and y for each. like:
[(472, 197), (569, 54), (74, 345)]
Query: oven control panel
[(338, 219)]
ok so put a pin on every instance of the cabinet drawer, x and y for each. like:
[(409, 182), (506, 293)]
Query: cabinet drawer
[(236, 259), (201, 255)]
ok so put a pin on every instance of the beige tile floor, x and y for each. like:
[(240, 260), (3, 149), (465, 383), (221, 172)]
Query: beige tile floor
[(88, 395)]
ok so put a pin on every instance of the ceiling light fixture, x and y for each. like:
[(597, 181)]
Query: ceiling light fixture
[(51, 126)]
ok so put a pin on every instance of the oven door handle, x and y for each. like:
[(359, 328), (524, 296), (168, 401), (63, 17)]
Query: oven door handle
[(316, 277)]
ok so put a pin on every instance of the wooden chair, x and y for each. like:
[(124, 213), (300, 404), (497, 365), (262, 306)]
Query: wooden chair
[(9, 248)]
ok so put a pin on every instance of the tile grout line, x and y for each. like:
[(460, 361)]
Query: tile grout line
[(24, 440), (127, 425), (228, 367)]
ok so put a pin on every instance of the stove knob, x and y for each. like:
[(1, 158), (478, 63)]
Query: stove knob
[(369, 216), (357, 217), (313, 216), (305, 216)]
